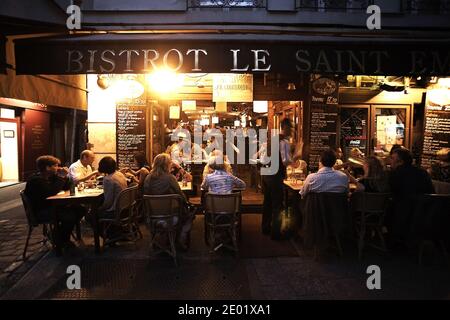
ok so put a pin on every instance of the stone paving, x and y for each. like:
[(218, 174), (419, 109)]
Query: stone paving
[(128, 272), (13, 233)]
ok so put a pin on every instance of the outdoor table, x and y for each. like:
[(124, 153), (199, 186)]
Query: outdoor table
[(92, 197)]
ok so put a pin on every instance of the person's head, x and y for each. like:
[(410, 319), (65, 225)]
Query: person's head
[(356, 153), (107, 165), (47, 164), (286, 127), (216, 163), (443, 155), (401, 156), (328, 158), (373, 167), (339, 153), (161, 164), (140, 160), (87, 157), (395, 147)]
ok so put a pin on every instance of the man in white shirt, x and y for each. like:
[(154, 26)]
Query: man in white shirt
[(81, 171), (326, 179)]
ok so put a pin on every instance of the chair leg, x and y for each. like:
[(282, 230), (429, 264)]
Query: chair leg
[(30, 230), (172, 236), (362, 234)]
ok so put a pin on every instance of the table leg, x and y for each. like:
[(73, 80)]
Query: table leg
[(96, 227)]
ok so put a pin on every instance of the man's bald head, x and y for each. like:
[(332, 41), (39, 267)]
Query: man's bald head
[(87, 157)]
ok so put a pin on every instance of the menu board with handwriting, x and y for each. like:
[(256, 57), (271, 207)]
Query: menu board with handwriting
[(323, 131), (324, 93), (436, 133), (131, 133)]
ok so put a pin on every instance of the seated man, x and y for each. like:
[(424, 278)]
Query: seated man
[(49, 181), (407, 182), (81, 171), (220, 181), (326, 179)]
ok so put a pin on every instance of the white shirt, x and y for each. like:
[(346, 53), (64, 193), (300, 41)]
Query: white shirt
[(77, 171), (325, 180)]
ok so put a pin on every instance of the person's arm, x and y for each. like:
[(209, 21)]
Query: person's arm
[(238, 183), (143, 173), (351, 178), (205, 185), (306, 187), (176, 187)]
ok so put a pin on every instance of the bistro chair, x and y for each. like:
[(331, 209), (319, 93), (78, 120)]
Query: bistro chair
[(123, 218), (325, 215), (431, 223), (370, 210), (33, 222), (222, 215), (163, 214)]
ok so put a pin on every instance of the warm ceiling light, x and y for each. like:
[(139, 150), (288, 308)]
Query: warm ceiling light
[(102, 82), (165, 81), (260, 106), (291, 86)]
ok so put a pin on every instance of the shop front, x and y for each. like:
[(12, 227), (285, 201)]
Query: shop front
[(143, 87)]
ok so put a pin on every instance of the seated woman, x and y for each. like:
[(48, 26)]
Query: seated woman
[(159, 182), (375, 178), (113, 183), (138, 176), (220, 181)]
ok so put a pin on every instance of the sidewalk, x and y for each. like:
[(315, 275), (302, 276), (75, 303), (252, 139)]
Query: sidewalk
[(128, 272), (13, 232)]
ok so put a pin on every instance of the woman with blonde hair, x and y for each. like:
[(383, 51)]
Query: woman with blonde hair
[(159, 182), (375, 177)]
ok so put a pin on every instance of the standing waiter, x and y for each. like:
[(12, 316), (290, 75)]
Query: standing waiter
[(273, 184)]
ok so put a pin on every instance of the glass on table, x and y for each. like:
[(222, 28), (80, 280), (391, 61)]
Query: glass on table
[(80, 186)]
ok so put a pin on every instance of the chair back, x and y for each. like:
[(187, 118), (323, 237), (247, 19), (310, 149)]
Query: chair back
[(125, 202), (369, 202), (229, 203), (163, 206), (325, 214), (431, 218), (31, 216)]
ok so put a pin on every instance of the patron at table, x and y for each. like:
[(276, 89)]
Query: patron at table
[(49, 181), (81, 171)]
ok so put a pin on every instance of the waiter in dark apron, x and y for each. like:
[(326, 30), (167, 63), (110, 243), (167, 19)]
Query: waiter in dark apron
[(273, 185)]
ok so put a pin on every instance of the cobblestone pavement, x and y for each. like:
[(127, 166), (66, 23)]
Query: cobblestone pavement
[(13, 233)]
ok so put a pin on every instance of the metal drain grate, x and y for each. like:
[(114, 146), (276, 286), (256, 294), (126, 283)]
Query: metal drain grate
[(144, 279)]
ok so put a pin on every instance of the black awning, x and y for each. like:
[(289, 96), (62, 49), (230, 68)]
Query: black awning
[(252, 53), (2, 54)]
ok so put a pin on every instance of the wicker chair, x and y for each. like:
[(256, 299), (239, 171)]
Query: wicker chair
[(222, 214), (123, 218), (33, 222), (163, 214)]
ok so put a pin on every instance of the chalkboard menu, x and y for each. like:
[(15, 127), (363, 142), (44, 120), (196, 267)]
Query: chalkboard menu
[(323, 117), (436, 133), (131, 132)]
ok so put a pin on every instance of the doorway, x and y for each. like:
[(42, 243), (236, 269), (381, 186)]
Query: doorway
[(374, 129), (9, 152)]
